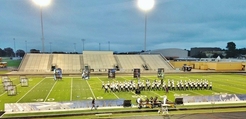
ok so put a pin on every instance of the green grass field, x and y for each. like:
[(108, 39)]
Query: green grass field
[(10, 62), (45, 89)]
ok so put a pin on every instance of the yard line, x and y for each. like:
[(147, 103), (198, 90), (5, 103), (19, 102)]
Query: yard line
[(7, 91), (71, 93), (113, 92), (30, 90), (3, 93), (10, 80), (50, 91), (195, 92), (99, 79), (91, 89), (223, 89), (116, 95), (212, 91), (155, 93)]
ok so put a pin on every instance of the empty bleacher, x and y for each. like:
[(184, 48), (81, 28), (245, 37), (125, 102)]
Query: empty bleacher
[(129, 62), (67, 62), (156, 61), (35, 63), (99, 61)]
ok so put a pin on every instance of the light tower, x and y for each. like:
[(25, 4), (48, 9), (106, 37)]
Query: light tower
[(145, 5), (42, 3)]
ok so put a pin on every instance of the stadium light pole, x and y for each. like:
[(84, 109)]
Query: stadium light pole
[(83, 41), (42, 3), (108, 45), (74, 47), (26, 45), (99, 46), (14, 48), (50, 47), (145, 5)]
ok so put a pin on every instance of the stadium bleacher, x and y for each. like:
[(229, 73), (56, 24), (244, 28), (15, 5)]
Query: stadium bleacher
[(99, 61)]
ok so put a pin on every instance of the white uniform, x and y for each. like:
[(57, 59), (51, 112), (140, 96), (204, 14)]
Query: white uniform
[(54, 74)]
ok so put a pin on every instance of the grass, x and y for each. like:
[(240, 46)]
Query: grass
[(4, 71), (74, 88), (11, 63), (123, 112)]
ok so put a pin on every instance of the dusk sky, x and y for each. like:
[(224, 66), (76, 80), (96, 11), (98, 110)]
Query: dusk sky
[(170, 24)]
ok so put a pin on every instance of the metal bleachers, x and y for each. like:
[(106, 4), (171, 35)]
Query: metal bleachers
[(129, 62), (67, 62), (98, 61), (35, 63), (156, 61)]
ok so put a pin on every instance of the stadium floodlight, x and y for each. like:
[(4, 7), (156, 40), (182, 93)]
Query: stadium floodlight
[(42, 3), (145, 5)]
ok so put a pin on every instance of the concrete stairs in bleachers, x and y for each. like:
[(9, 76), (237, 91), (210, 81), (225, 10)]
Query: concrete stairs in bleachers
[(81, 62), (50, 62), (67, 62), (24, 62), (35, 63)]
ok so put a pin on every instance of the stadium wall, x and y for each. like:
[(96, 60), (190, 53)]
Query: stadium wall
[(218, 66)]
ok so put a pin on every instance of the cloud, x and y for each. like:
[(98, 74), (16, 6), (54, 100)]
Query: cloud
[(170, 24)]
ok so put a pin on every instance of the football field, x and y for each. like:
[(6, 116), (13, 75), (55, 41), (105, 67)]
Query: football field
[(72, 88)]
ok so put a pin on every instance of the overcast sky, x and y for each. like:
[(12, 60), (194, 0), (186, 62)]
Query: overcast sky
[(170, 24)]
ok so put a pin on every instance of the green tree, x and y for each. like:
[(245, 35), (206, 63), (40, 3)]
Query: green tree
[(9, 52), (2, 53), (231, 50), (201, 55), (20, 53)]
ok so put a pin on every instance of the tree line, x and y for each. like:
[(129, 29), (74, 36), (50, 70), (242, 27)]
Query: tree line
[(230, 52), (9, 52)]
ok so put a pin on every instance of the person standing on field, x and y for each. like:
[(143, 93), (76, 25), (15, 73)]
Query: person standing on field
[(93, 104)]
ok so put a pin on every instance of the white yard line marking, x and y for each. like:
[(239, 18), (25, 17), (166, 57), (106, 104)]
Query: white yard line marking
[(50, 91), (113, 93), (10, 80), (99, 79), (30, 90), (7, 91), (3, 93), (223, 89), (195, 92), (116, 95), (91, 89), (71, 93), (156, 93)]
